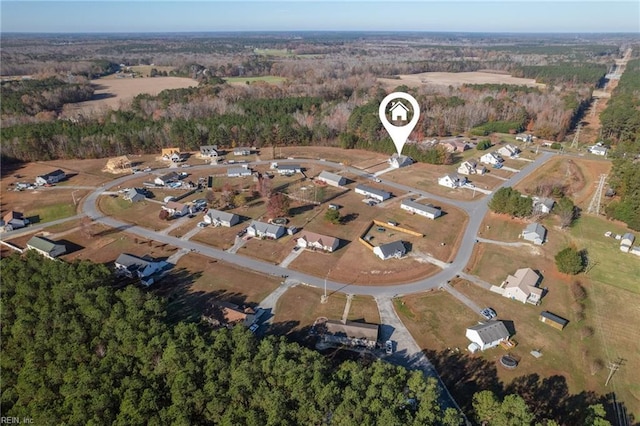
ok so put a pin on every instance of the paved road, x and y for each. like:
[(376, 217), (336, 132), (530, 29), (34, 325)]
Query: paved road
[(36, 227)]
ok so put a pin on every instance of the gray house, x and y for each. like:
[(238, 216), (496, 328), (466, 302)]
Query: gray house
[(220, 218), (289, 169), (370, 192), (426, 210), (166, 179), (265, 230), (14, 220), (134, 195), (238, 172), (46, 247), (535, 233), (331, 178), (209, 151), (387, 251), (51, 177), (542, 205), (144, 268)]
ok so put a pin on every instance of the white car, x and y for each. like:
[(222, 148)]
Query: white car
[(388, 347)]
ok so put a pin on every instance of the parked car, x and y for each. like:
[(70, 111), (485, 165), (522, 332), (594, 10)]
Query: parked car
[(488, 313), (377, 180), (202, 224), (388, 347)]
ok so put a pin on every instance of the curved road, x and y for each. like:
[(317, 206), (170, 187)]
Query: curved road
[(475, 209)]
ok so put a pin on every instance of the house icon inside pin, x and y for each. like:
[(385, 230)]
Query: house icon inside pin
[(398, 111)]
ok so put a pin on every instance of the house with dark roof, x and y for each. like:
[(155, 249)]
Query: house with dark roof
[(14, 220), (167, 179), (265, 230), (312, 240), (426, 210), (535, 233), (331, 178), (220, 218), (487, 335), (46, 247), (374, 193), (144, 268), (360, 333), (209, 151), (134, 195), (51, 177), (553, 320), (395, 249)]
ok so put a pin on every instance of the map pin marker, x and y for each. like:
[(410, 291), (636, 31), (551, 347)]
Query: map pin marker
[(399, 109)]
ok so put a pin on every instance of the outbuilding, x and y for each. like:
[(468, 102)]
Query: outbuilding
[(553, 320)]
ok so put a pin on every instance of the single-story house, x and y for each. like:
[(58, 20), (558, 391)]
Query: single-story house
[(598, 150), (176, 209), (553, 320), (312, 240), (426, 210), (370, 192), (486, 335), (396, 161), (491, 158), (509, 150), (364, 333), (456, 146), (626, 242), (134, 195), (470, 167), (242, 150), (234, 314), (239, 171), (524, 138), (542, 205), (289, 169), (46, 247), (395, 249), (51, 177), (452, 181), (209, 151), (332, 178), (219, 218), (265, 230), (535, 233), (144, 268), (14, 220), (522, 286), (167, 179)]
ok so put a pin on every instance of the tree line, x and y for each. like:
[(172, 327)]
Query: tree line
[(32, 96)]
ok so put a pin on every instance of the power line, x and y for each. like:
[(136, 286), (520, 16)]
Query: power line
[(613, 367), (574, 144), (596, 200)]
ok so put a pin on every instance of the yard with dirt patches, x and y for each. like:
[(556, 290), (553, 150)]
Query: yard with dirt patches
[(114, 92), (144, 213), (349, 157), (43, 204), (456, 79)]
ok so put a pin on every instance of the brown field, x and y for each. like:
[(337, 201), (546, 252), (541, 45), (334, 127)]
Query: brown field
[(457, 79), (143, 213), (112, 93), (351, 157)]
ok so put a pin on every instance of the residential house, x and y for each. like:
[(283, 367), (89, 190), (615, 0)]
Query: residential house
[(134, 195), (168, 152), (289, 169), (626, 242), (486, 335), (144, 268), (359, 333), (209, 151), (542, 205), (470, 167), (265, 230), (176, 209), (46, 247), (524, 138), (553, 320), (456, 146), (535, 233), (14, 220), (522, 286), (491, 158), (370, 192), (242, 150), (396, 161), (332, 179), (177, 157), (312, 240), (426, 210), (394, 249), (452, 181), (509, 150), (635, 250), (398, 111), (51, 177), (598, 150), (167, 179), (239, 172), (220, 218)]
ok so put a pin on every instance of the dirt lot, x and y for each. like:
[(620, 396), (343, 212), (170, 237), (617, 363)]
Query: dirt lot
[(42, 205), (143, 213), (457, 79), (352, 157), (112, 93)]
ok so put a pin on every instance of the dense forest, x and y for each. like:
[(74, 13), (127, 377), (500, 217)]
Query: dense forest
[(77, 351)]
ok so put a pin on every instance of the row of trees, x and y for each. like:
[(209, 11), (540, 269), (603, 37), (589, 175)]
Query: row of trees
[(510, 201), (33, 96)]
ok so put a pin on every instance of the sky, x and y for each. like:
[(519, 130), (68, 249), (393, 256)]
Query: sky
[(541, 16)]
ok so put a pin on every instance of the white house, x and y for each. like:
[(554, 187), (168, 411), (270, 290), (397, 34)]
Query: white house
[(626, 242), (220, 218), (395, 249), (524, 138), (370, 192), (509, 150), (176, 209), (144, 268), (265, 230), (14, 220), (491, 158), (317, 241), (396, 161), (289, 169), (166, 179), (535, 233), (486, 335), (177, 157), (452, 181), (635, 250), (332, 179), (398, 111), (426, 210), (470, 167), (242, 150), (209, 151), (46, 247), (542, 205), (239, 172), (522, 286), (598, 150), (51, 177)]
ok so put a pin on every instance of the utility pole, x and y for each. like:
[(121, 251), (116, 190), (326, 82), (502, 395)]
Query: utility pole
[(574, 144), (613, 367), (596, 201), (324, 298)]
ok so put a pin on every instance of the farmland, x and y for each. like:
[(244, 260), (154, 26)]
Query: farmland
[(457, 79)]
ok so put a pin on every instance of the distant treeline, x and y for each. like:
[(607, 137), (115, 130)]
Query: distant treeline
[(32, 96), (577, 73)]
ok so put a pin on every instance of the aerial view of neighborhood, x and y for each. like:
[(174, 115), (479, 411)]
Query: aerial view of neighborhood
[(319, 227)]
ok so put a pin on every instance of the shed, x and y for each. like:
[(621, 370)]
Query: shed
[(553, 320), (331, 178)]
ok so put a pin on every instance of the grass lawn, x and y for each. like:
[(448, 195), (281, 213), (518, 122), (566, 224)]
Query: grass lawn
[(268, 250), (53, 211), (501, 227), (220, 237), (143, 213)]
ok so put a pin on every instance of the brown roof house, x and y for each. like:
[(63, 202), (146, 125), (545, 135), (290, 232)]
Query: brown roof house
[(521, 286), (356, 333), (312, 240)]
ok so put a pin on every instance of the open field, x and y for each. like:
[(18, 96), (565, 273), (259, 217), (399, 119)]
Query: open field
[(353, 157), (43, 204), (144, 213), (271, 79), (457, 79), (111, 93), (145, 70)]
